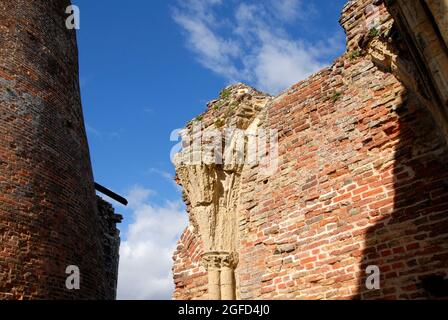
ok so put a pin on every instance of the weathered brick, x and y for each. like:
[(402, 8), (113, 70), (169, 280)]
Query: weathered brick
[(48, 205), (365, 183)]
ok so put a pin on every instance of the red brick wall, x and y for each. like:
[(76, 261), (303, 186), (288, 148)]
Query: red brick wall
[(362, 180), (190, 277), (48, 208)]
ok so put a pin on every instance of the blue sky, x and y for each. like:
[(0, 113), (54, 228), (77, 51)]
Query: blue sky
[(148, 67)]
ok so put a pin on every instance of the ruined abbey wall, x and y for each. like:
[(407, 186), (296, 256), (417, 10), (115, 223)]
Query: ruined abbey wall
[(50, 217), (362, 176)]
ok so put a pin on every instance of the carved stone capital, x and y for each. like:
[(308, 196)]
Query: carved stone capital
[(219, 260)]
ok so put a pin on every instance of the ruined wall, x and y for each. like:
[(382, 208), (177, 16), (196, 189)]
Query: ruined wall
[(110, 240), (189, 277), (423, 26), (49, 215), (362, 180)]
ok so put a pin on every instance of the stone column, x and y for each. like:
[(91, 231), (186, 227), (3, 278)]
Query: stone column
[(214, 284), (221, 275), (227, 283), (212, 262), (228, 265)]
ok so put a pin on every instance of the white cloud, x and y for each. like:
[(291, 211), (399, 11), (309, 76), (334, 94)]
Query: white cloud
[(162, 173), (282, 63), (146, 253), (253, 45), (290, 10), (214, 52), (167, 176), (94, 132)]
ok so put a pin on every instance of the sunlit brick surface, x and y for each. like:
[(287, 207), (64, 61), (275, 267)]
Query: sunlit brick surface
[(362, 180)]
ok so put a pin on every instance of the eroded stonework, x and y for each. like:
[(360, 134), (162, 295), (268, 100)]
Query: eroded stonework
[(212, 186)]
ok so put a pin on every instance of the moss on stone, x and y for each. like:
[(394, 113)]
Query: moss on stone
[(355, 54), (336, 96), (219, 123), (225, 93)]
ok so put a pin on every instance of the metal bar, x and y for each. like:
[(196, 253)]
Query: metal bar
[(111, 194)]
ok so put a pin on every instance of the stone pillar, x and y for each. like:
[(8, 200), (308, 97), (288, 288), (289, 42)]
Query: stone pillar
[(221, 275), (214, 284), (227, 283)]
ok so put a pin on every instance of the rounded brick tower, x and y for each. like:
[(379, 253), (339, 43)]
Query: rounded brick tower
[(49, 217)]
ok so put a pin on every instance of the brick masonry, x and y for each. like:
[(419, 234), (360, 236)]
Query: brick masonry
[(49, 214), (362, 180), (189, 277)]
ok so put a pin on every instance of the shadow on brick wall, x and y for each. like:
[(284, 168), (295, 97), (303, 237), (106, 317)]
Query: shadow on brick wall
[(410, 245)]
